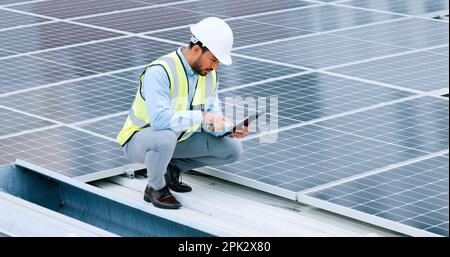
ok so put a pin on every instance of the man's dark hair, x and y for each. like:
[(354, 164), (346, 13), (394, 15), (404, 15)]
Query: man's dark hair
[(200, 44)]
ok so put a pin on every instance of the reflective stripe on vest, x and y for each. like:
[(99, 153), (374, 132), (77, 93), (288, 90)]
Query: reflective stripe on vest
[(138, 119)]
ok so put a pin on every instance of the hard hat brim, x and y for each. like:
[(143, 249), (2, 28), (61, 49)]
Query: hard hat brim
[(224, 59)]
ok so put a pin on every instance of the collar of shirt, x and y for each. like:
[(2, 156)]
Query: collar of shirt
[(186, 65)]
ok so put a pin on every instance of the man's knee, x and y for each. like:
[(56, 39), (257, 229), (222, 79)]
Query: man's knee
[(165, 142), (232, 150)]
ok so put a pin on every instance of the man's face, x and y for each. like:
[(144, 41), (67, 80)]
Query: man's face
[(205, 63)]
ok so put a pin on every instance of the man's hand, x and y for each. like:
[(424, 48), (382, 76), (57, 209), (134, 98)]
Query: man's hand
[(217, 120), (241, 133)]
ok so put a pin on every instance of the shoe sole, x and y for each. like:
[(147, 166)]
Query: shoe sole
[(147, 199)]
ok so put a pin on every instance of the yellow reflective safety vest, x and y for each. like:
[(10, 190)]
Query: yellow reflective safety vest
[(173, 65)]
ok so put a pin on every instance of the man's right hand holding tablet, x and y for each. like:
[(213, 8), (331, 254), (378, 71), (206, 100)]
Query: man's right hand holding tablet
[(216, 122), (219, 125)]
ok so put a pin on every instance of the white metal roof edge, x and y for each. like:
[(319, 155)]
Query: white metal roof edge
[(72, 226), (172, 215)]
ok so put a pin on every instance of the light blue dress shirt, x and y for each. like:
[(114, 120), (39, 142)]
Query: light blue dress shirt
[(156, 90)]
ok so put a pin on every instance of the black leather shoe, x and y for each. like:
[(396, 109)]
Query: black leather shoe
[(161, 198), (172, 178)]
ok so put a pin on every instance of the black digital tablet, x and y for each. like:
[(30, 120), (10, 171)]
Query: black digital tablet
[(242, 123)]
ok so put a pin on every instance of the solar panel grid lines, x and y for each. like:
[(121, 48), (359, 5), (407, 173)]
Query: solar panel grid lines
[(67, 151), (64, 9), (415, 195), (347, 180), (39, 80), (236, 8), (22, 40), (108, 127), (110, 55), (410, 33), (10, 56), (8, 3), (14, 122), (321, 51), (424, 70), (11, 19), (420, 123), (326, 118), (302, 98), (76, 101), (405, 8), (314, 156)]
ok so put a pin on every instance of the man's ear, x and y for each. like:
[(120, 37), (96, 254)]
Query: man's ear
[(196, 49)]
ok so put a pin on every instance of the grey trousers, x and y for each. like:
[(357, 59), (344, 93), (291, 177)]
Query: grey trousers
[(157, 148)]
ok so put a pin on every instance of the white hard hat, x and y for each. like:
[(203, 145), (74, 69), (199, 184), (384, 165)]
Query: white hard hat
[(217, 36)]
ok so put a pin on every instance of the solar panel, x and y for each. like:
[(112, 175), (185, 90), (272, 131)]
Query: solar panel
[(320, 51), (25, 72), (415, 195), (131, 75), (23, 40), (146, 19), (69, 8), (412, 33), (118, 54), (413, 7), (441, 50), (246, 32), (76, 101), (231, 76), (11, 19), (64, 150), (109, 127), (238, 74), (315, 95), (310, 156), (110, 55), (425, 71), (233, 8), (420, 123), (4, 53), (12, 122), (322, 18)]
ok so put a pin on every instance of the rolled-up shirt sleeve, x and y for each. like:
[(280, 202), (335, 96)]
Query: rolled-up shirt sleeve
[(156, 90)]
